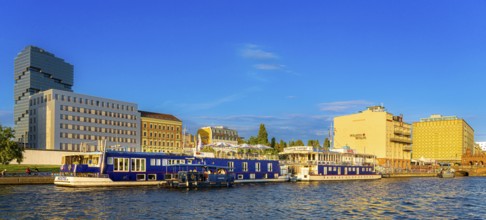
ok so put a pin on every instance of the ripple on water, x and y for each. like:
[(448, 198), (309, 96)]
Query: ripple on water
[(383, 199)]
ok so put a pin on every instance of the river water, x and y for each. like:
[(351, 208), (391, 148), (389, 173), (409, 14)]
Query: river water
[(392, 198)]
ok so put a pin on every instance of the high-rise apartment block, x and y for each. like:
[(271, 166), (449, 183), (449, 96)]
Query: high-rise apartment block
[(63, 120), (36, 70), (160, 132), (442, 138), (375, 131)]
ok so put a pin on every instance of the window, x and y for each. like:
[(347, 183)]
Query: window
[(240, 176), (269, 167), (245, 166), (157, 162), (152, 162), (252, 176), (120, 164), (140, 177), (152, 177), (257, 167), (138, 164)]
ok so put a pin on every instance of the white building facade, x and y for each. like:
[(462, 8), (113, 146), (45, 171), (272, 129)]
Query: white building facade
[(63, 120)]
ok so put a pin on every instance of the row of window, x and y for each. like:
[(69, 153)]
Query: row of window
[(161, 126), (224, 132), (160, 143), (257, 166), (76, 147), (97, 129), (94, 102), (98, 112), (161, 135), (138, 164), (226, 138), (96, 137), (98, 121), (353, 169)]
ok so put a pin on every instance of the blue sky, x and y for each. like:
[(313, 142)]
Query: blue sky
[(291, 65)]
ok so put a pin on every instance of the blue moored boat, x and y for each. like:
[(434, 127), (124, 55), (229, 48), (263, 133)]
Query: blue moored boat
[(118, 168)]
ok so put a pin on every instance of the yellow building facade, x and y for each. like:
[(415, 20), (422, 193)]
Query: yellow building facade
[(160, 132), (218, 134), (442, 138), (375, 131)]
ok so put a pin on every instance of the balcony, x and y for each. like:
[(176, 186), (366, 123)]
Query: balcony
[(401, 140), (402, 132)]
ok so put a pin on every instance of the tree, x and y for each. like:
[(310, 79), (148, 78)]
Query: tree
[(9, 149), (240, 140), (327, 144), (262, 135), (314, 143), (273, 143), (299, 143), (291, 143), (281, 146), (252, 140)]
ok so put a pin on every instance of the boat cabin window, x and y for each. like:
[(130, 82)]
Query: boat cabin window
[(110, 161), (231, 166), (252, 176), (245, 166), (240, 176), (140, 177), (152, 177), (90, 160), (157, 162), (120, 164), (270, 167), (138, 164), (152, 162), (257, 167)]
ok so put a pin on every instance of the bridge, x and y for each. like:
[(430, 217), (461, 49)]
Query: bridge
[(474, 170)]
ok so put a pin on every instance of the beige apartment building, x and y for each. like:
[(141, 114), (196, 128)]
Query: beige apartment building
[(160, 132), (442, 138), (218, 134), (375, 131)]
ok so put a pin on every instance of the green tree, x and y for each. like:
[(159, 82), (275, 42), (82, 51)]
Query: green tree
[(281, 146), (241, 140), (299, 143), (314, 143), (9, 149), (291, 143), (262, 135), (252, 140), (273, 143), (327, 144)]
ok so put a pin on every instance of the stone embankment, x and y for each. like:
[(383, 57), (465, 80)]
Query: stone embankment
[(402, 175), (19, 179)]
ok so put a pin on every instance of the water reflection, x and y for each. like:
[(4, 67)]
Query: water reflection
[(386, 198)]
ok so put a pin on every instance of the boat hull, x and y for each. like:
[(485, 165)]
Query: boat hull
[(343, 177), (71, 181)]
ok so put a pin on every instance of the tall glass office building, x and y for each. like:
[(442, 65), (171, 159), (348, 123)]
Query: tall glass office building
[(36, 70)]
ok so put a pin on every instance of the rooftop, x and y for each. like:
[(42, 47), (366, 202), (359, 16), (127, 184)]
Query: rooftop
[(158, 116)]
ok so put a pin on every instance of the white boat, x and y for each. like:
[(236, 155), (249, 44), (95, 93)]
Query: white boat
[(309, 164)]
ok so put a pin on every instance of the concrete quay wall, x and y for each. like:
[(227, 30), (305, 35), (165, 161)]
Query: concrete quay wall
[(20, 180), (407, 175)]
